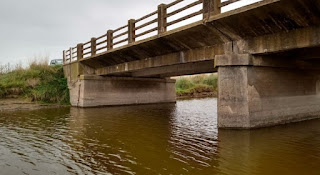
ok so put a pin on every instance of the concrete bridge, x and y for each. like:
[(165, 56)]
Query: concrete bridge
[(267, 56)]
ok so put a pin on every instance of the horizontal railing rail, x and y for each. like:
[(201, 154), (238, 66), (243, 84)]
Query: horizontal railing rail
[(156, 21)]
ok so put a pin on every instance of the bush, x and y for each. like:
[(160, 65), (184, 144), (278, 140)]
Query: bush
[(197, 84), (184, 83), (211, 80)]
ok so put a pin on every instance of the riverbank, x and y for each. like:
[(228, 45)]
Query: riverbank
[(16, 104), (197, 86), (38, 83)]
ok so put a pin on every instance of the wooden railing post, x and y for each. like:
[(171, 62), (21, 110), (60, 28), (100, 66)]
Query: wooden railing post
[(210, 8), (93, 46), (131, 30), (79, 51), (71, 54), (64, 57), (110, 39), (162, 18)]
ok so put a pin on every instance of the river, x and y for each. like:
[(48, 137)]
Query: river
[(180, 138)]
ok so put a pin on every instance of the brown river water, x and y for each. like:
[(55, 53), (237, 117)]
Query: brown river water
[(179, 138)]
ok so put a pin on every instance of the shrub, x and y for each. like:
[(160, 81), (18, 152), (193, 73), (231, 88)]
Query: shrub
[(184, 84), (211, 80), (196, 84)]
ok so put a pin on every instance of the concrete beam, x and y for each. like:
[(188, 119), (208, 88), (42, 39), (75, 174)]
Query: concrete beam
[(283, 41), (191, 68), (173, 59)]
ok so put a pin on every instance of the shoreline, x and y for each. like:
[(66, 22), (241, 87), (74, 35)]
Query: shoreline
[(197, 95), (18, 104)]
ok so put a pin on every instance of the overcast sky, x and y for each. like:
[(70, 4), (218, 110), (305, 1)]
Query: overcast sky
[(33, 28)]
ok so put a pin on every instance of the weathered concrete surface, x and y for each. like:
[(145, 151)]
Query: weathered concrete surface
[(93, 91), (259, 96)]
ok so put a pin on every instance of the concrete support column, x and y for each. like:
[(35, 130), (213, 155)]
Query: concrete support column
[(93, 91), (264, 91)]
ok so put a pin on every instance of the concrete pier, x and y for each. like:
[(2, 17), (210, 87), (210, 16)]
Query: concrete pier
[(94, 91), (261, 91)]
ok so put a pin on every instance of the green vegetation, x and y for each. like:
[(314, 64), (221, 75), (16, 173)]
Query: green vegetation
[(194, 86), (39, 82)]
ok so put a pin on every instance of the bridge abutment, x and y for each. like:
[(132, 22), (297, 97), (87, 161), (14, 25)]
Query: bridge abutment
[(93, 91), (262, 91)]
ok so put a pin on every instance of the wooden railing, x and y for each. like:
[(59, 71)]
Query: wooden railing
[(134, 29)]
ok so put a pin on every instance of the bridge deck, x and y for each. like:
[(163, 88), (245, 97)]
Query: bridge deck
[(258, 19)]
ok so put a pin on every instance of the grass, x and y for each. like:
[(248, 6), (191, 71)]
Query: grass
[(190, 86), (38, 82)]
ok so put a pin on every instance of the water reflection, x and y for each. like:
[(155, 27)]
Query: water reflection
[(179, 138), (288, 149), (193, 135)]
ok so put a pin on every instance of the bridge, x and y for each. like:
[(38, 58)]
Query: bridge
[(267, 55)]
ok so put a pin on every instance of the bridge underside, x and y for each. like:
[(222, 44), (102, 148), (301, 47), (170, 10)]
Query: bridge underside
[(267, 56)]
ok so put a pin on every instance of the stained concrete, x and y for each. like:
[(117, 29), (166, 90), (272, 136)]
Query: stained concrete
[(260, 96), (93, 91)]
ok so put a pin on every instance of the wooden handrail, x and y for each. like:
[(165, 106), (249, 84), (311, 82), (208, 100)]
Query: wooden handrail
[(185, 17), (120, 28), (88, 47), (105, 47), (87, 43), (209, 8), (146, 24), (146, 32), (100, 37), (147, 16), (225, 3), (121, 41), (121, 34), (101, 42), (174, 3), (185, 8), (86, 53)]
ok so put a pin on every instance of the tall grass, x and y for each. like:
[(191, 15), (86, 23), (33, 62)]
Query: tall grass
[(38, 82), (197, 84)]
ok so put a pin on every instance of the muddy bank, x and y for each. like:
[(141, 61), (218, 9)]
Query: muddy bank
[(8, 105), (197, 95)]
